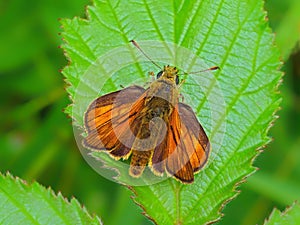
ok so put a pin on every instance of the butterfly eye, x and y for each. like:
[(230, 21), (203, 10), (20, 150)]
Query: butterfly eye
[(159, 74), (177, 79)]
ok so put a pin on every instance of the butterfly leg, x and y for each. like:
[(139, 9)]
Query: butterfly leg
[(182, 97), (152, 74)]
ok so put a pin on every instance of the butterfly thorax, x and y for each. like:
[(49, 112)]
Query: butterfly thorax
[(159, 103), (164, 90)]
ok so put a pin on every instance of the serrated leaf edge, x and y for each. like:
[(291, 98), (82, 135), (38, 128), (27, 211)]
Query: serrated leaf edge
[(281, 213), (58, 196)]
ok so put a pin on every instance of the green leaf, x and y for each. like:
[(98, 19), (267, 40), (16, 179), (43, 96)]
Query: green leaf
[(33, 204), (288, 217), (235, 105)]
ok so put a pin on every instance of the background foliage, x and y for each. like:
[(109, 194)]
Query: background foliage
[(36, 139)]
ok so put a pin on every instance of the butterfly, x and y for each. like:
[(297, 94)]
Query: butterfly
[(150, 126)]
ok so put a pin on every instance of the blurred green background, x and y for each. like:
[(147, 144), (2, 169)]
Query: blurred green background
[(36, 137)]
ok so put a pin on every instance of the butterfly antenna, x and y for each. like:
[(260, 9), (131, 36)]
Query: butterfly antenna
[(209, 69), (139, 48)]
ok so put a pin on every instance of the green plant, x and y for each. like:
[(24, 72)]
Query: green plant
[(234, 36)]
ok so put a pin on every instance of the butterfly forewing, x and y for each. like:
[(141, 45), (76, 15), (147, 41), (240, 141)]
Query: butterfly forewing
[(107, 120), (187, 144)]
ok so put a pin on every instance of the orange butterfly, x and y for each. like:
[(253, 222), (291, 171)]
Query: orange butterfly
[(151, 126)]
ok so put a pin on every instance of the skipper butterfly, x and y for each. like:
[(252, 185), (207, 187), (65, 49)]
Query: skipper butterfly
[(150, 126)]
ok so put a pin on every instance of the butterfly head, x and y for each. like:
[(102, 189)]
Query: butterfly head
[(169, 73)]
